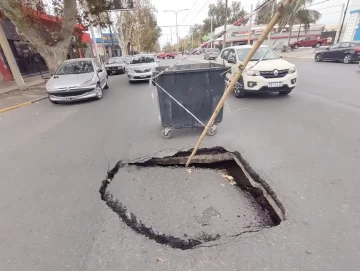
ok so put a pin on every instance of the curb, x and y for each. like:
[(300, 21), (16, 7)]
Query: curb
[(22, 104), (299, 57)]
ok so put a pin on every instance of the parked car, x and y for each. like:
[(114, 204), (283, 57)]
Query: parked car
[(115, 65), (141, 67), (308, 42), (212, 53), (346, 52), (77, 79), (271, 74), (170, 55), (161, 55)]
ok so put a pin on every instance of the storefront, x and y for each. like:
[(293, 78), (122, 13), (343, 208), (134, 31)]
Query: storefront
[(352, 31)]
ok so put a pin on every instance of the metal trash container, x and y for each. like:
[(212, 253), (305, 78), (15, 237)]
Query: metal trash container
[(198, 87)]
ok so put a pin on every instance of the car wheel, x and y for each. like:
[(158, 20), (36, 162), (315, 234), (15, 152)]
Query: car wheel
[(99, 92), (296, 46), (347, 59), (54, 102), (239, 92), (283, 93), (317, 45), (107, 84), (318, 58)]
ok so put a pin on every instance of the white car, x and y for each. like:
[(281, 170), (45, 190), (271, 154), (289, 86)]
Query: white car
[(141, 67), (271, 74)]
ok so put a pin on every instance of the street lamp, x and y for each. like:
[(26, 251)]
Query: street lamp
[(177, 30)]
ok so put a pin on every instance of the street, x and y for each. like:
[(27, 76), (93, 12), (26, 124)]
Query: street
[(305, 145)]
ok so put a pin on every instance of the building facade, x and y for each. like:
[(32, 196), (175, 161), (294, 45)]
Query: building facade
[(352, 31)]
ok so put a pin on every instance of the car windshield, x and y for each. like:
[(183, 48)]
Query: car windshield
[(116, 60), (75, 67), (261, 52), (142, 59)]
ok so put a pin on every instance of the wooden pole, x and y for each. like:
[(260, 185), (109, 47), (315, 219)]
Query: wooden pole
[(238, 74)]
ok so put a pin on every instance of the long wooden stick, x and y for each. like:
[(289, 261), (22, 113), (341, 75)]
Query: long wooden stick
[(238, 74)]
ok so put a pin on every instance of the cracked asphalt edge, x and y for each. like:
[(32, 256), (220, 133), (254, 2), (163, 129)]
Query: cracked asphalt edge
[(138, 226)]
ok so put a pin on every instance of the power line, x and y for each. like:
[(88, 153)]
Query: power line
[(207, 2), (317, 3), (187, 14), (330, 7)]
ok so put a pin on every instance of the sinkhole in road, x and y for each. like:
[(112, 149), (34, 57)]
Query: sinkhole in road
[(220, 196)]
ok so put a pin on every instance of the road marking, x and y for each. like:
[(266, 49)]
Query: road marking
[(21, 105)]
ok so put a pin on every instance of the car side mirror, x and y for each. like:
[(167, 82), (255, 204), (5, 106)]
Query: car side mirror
[(99, 70), (231, 60), (280, 56)]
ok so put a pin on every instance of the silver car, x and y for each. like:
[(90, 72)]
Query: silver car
[(212, 53), (77, 79), (141, 67), (115, 65)]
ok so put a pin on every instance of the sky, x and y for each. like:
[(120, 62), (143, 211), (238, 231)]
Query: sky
[(330, 9)]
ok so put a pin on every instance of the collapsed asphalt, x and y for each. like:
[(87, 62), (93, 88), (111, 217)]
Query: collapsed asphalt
[(306, 146)]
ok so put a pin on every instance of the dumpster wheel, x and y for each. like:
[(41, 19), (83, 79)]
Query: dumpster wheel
[(212, 130), (166, 133)]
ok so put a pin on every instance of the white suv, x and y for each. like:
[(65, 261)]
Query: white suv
[(271, 74)]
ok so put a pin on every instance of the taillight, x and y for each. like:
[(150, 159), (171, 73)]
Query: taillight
[(357, 49)]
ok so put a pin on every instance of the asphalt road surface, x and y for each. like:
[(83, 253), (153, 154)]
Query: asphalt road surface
[(306, 145)]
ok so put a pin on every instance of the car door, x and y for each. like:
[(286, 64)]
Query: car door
[(220, 58), (101, 74), (305, 42), (343, 50), (331, 53)]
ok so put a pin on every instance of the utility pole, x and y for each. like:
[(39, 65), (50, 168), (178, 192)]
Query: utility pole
[(11, 60), (343, 20), (111, 34), (250, 20), (192, 37), (337, 37), (272, 15), (225, 23), (177, 28), (102, 42), (211, 28), (171, 36)]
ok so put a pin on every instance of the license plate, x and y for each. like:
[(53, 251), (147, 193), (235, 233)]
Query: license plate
[(275, 85), (142, 75)]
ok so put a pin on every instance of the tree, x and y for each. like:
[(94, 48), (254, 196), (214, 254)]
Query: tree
[(298, 13), (139, 27), (217, 13), (50, 27), (264, 15)]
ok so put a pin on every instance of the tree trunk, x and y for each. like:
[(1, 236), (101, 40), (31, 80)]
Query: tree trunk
[(53, 56), (290, 32), (299, 32)]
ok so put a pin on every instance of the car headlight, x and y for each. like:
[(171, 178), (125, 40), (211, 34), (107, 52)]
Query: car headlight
[(252, 73), (87, 84), (130, 70), (50, 88), (292, 70)]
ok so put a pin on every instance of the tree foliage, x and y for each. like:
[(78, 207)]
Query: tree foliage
[(139, 28), (264, 15), (217, 13)]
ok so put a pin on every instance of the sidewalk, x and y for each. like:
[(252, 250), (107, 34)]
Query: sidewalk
[(29, 82), (11, 97), (303, 53)]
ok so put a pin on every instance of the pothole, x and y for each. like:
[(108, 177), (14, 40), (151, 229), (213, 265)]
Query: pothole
[(218, 197)]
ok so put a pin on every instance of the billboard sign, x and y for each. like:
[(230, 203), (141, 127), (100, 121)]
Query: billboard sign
[(114, 5)]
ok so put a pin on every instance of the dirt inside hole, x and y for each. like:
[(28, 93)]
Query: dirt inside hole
[(184, 209)]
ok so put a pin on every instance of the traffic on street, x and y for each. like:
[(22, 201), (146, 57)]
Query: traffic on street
[(206, 135)]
